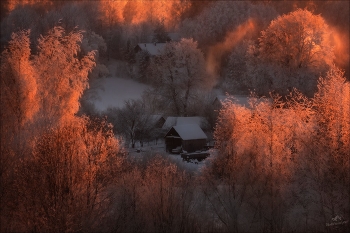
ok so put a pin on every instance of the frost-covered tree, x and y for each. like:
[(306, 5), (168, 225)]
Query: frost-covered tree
[(235, 70), (131, 121), (297, 40), (329, 157), (18, 81), (179, 75), (30, 85), (93, 42), (259, 148), (63, 184), (213, 22), (292, 52), (142, 63), (299, 151), (72, 15), (332, 103), (62, 74), (160, 34), (19, 104)]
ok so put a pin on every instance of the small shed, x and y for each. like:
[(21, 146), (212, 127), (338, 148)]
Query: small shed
[(190, 136), (172, 121), (154, 49)]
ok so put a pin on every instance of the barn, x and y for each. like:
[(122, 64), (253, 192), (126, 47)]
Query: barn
[(153, 49), (189, 136), (172, 121)]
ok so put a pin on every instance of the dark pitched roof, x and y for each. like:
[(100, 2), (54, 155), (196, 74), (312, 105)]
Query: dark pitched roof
[(152, 48), (189, 131)]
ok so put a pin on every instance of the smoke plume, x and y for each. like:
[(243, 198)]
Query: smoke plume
[(216, 52)]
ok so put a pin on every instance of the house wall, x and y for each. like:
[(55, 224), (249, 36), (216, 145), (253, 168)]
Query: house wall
[(172, 143), (193, 145)]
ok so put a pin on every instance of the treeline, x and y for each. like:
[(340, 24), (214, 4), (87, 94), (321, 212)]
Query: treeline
[(52, 162), (288, 161), (123, 24)]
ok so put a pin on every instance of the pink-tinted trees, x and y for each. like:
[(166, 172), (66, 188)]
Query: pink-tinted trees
[(329, 156), (19, 101), (18, 81), (62, 184), (259, 148), (288, 157), (292, 52), (62, 74)]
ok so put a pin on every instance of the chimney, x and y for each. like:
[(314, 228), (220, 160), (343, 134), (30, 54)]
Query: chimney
[(155, 43), (145, 45)]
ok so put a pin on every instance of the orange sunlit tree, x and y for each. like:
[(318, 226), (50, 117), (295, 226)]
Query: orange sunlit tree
[(61, 162), (292, 52), (289, 151), (138, 11)]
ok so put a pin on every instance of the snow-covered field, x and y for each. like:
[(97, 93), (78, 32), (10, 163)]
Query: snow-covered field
[(113, 91), (116, 89)]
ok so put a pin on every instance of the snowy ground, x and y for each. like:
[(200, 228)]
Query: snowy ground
[(114, 90), (193, 166)]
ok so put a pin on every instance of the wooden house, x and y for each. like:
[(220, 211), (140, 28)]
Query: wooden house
[(153, 49), (189, 136), (172, 121)]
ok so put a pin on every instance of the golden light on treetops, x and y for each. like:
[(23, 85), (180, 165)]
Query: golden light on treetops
[(138, 11)]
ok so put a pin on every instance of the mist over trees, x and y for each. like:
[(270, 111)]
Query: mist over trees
[(281, 162)]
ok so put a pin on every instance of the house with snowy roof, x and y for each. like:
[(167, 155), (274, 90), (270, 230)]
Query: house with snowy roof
[(153, 49), (188, 136), (172, 121)]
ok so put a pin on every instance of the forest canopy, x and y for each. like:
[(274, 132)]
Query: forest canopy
[(280, 161)]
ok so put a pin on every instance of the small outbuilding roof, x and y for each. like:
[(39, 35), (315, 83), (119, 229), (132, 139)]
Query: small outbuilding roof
[(152, 48), (190, 132), (172, 121)]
